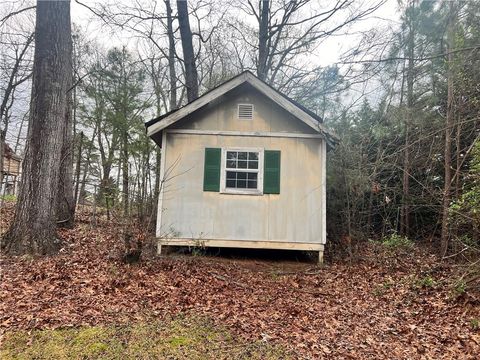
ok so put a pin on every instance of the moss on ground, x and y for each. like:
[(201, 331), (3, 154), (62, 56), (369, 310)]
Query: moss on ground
[(181, 338)]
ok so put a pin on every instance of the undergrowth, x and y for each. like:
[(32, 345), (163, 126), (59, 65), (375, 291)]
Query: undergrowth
[(396, 241)]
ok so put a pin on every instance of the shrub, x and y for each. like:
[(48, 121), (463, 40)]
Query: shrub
[(396, 241), (425, 282), (465, 211)]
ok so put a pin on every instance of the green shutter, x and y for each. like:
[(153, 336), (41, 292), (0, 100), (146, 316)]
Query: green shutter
[(271, 172), (211, 175)]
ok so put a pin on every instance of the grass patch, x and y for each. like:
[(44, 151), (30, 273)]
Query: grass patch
[(182, 338), (8, 197)]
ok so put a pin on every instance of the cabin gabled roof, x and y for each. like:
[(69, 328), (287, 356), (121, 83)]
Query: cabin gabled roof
[(297, 110)]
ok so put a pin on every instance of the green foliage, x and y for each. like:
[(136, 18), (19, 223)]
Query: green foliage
[(8, 197), (475, 324), (183, 338), (425, 282), (459, 288), (396, 241), (465, 212)]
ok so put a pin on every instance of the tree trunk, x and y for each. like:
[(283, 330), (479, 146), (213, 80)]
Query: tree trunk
[(458, 161), (125, 174), (86, 167), (447, 190), (1, 161), (263, 39), (34, 226), (66, 201), (77, 167), (156, 194), (171, 58), (405, 210), (191, 77)]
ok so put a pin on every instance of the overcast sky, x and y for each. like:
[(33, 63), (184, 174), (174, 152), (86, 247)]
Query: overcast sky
[(330, 50)]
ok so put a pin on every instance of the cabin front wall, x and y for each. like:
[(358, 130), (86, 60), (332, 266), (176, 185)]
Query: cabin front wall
[(293, 219), (296, 215)]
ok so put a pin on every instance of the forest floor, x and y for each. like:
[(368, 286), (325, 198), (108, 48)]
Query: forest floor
[(390, 303)]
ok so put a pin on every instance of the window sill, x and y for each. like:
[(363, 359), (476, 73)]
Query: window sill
[(241, 192)]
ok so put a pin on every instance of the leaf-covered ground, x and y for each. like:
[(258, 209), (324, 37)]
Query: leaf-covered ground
[(392, 303)]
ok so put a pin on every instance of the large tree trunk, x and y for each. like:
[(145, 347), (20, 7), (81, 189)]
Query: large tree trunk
[(65, 199), (34, 226), (191, 77), (262, 70), (447, 190)]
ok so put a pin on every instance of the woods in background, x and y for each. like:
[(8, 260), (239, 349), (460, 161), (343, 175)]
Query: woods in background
[(406, 162), (404, 101)]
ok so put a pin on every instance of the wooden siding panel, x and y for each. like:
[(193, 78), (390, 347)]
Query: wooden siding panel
[(295, 215), (223, 116)]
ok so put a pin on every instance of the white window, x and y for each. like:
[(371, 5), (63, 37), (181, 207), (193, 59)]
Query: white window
[(242, 171), (245, 111)]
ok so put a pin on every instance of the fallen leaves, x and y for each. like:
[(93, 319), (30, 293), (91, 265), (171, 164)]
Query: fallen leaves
[(335, 312)]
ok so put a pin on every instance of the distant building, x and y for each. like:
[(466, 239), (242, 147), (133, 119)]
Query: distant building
[(12, 166)]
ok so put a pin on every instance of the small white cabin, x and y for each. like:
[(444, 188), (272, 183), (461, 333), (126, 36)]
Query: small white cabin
[(242, 166)]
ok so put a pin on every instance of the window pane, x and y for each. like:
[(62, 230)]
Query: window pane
[(242, 156), (242, 164), (253, 164), (252, 156), (231, 164), (231, 155), (241, 184), (241, 179)]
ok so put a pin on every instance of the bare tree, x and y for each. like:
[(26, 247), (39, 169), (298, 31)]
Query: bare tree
[(191, 77), (263, 39), (449, 126), (286, 30)]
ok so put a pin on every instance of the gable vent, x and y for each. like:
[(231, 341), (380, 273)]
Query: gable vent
[(245, 111)]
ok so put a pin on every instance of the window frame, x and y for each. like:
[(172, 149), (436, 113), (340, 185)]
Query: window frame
[(224, 169), (238, 111)]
